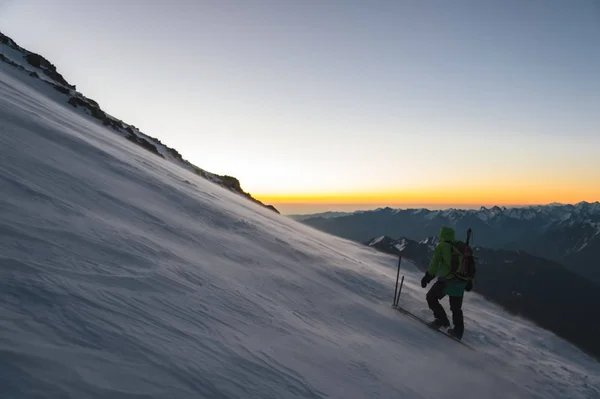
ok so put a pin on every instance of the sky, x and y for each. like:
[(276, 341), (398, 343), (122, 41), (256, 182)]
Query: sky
[(343, 105)]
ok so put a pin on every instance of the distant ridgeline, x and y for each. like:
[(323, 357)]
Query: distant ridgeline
[(566, 234), (41, 69)]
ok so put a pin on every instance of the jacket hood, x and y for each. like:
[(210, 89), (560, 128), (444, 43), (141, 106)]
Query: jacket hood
[(447, 234)]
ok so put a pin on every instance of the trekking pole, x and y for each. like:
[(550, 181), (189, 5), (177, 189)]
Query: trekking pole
[(400, 291), (397, 277)]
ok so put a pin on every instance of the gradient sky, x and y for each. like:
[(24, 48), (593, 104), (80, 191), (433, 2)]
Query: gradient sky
[(346, 102)]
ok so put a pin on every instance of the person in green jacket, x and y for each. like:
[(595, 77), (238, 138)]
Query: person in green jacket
[(446, 284)]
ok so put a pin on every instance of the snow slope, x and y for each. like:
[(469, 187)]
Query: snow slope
[(123, 275)]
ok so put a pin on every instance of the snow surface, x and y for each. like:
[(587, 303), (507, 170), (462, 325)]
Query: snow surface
[(400, 246), (123, 275), (377, 240), (431, 242)]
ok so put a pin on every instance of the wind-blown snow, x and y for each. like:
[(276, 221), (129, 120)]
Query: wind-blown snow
[(125, 276)]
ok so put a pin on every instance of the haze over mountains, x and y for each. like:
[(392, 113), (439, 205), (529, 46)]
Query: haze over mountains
[(566, 234)]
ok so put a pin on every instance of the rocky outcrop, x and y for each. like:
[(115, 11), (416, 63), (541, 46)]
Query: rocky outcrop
[(49, 69)]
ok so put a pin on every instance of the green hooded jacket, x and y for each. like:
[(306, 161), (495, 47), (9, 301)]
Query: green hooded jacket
[(442, 256), (441, 263)]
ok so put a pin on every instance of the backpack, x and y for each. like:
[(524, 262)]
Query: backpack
[(462, 264)]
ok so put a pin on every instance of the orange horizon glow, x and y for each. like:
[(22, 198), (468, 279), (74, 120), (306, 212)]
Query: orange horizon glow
[(501, 196)]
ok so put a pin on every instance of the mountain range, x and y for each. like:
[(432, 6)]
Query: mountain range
[(568, 234), (42, 70)]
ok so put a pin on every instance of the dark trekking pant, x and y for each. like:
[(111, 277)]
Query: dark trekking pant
[(436, 292)]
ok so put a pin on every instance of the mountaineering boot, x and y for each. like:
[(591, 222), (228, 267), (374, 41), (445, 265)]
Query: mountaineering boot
[(439, 323), (453, 333)]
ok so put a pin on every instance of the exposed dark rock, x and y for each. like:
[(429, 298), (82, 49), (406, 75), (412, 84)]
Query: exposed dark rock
[(9, 61), (75, 102), (34, 60), (97, 113), (49, 69), (60, 88), (145, 144), (231, 183), (5, 39), (174, 153)]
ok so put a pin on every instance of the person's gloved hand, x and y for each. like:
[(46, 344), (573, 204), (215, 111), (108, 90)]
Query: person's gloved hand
[(469, 286), (426, 279)]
